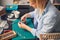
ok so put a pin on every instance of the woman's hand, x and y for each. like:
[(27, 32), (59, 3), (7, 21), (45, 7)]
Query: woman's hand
[(22, 25), (23, 18)]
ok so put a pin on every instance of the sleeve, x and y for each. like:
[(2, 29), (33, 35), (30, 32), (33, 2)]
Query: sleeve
[(33, 32), (32, 14)]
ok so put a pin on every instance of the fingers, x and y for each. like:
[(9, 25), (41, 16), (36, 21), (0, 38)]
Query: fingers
[(23, 18), (19, 24)]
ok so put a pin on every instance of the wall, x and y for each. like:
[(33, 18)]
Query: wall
[(6, 2), (51, 1), (23, 2)]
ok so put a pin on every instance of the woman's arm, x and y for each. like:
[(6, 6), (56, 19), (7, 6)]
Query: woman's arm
[(32, 30), (22, 25), (27, 15)]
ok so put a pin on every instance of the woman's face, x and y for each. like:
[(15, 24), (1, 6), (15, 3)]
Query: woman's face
[(33, 4)]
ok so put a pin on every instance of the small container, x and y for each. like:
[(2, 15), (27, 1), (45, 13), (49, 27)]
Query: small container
[(10, 16), (16, 13)]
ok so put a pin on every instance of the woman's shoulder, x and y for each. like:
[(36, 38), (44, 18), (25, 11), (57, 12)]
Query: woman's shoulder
[(52, 12), (52, 8)]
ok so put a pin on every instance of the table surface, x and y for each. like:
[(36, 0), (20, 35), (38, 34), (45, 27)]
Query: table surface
[(22, 33)]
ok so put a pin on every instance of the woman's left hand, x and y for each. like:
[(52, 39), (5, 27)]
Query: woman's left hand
[(22, 25)]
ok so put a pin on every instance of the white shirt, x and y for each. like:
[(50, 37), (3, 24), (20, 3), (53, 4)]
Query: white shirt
[(47, 22)]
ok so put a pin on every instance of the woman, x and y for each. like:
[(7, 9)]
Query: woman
[(46, 18)]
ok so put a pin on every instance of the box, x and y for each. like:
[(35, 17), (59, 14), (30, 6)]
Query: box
[(11, 7)]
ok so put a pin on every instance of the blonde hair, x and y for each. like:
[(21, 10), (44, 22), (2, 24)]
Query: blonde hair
[(40, 4)]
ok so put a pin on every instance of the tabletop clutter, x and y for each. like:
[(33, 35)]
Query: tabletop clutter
[(7, 35), (3, 25), (14, 13), (2, 11)]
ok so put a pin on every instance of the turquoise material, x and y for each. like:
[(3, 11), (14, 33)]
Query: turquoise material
[(22, 34), (11, 7)]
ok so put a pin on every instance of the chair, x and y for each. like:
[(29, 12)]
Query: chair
[(50, 36)]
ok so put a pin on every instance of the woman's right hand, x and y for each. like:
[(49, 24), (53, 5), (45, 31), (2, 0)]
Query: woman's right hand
[(23, 18)]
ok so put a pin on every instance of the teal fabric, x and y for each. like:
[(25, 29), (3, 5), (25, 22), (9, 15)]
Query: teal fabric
[(22, 34)]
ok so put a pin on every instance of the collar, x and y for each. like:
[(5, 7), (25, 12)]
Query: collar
[(47, 6)]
